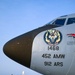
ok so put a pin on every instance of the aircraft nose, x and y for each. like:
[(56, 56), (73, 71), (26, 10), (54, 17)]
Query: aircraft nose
[(19, 49)]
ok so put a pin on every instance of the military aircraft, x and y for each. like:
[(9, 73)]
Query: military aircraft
[(49, 50)]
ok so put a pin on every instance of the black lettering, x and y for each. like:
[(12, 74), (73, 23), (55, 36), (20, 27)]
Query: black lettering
[(46, 55), (54, 48), (57, 47), (47, 63), (58, 64), (59, 56), (49, 47)]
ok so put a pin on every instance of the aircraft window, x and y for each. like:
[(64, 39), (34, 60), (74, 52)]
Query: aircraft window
[(59, 21), (71, 21)]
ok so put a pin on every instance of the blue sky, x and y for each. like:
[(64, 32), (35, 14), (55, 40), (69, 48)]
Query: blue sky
[(20, 16)]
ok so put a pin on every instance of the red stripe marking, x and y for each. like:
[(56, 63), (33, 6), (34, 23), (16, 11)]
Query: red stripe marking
[(73, 35)]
